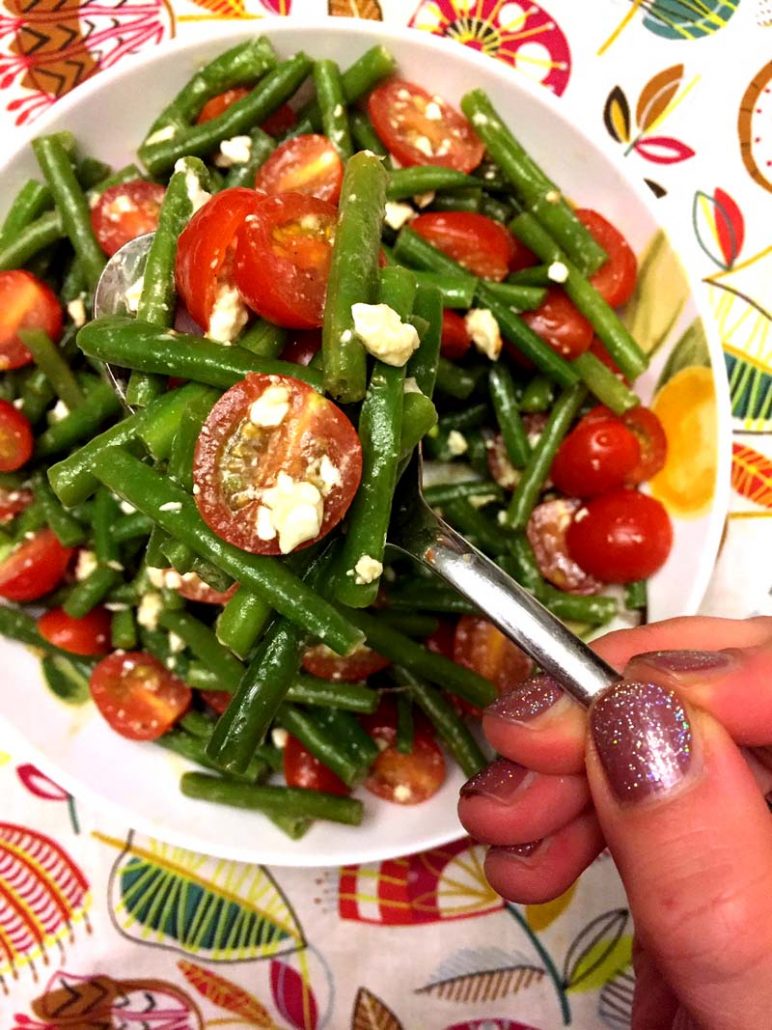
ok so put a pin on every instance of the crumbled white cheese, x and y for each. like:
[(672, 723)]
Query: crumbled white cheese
[(402, 793), (133, 294), (384, 334), (338, 110), (58, 412), (423, 145), (557, 272), (457, 444), (197, 195), (367, 570), (161, 135), (161, 579), (484, 330), (552, 196), (279, 737), (433, 111), (265, 527), (176, 643), (234, 151), (329, 474), (173, 580), (114, 564), (171, 506), (423, 199), (478, 118), (411, 386), (150, 607), (76, 309), (481, 500), (296, 510), (271, 407), (126, 508), (156, 576), (396, 214), (228, 316), (85, 565), (116, 606)]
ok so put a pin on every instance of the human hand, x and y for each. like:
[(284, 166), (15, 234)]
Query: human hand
[(661, 778)]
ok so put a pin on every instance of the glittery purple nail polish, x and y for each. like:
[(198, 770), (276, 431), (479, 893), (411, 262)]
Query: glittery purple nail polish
[(500, 781), (643, 737), (685, 661), (535, 696)]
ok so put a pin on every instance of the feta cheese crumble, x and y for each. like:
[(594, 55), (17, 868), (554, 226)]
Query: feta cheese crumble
[(85, 565), (484, 330), (228, 316), (293, 510), (76, 309), (234, 151), (150, 607), (433, 111), (424, 199), (396, 214), (171, 506), (411, 386), (133, 294), (384, 334), (367, 570), (557, 272), (59, 411), (161, 135), (457, 444), (279, 737), (197, 195), (271, 407)]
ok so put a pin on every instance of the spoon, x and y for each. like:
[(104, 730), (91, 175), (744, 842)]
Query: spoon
[(417, 531)]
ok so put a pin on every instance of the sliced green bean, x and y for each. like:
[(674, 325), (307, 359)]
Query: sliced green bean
[(123, 630), (242, 621), (309, 728), (365, 136), (91, 591), (80, 424), (636, 594), (405, 724), (457, 291), (406, 182), (516, 295), (423, 365), (69, 530), (594, 609), (538, 395), (474, 524), (186, 438), (524, 567), (604, 384), (419, 415), (16, 251), (205, 646), (332, 105), (535, 275), (507, 409), (359, 78), (454, 380), (353, 697), (29, 204), (263, 338), (49, 360), (481, 490)]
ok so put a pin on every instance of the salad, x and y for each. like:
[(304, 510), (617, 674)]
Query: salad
[(330, 284)]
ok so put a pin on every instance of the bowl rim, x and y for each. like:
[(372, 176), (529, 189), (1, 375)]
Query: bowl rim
[(561, 108)]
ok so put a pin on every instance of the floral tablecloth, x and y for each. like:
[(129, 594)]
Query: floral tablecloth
[(101, 927)]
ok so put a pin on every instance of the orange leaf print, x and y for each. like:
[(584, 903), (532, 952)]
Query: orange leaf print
[(752, 475), (656, 95), (370, 1013), (540, 916), (226, 994), (223, 8), (355, 9)]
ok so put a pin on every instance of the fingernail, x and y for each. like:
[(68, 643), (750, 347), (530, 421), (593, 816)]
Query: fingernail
[(686, 661), (520, 850), (535, 696), (643, 737), (500, 781)]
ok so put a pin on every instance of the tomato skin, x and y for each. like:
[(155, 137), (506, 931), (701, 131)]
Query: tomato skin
[(193, 588), (125, 211), (219, 105), (282, 262), (205, 249), (302, 346), (546, 532), (560, 325), (481, 646), (137, 695), (313, 427), (34, 568), (596, 456), (26, 302), (280, 122), (615, 279), (598, 349), (652, 443), (321, 661), (14, 502), (307, 164), (456, 341), (87, 636), (397, 110), (405, 779), (16, 438), (302, 769), (484, 247), (218, 700), (620, 536)]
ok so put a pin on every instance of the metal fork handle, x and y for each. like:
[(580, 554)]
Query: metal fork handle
[(517, 613)]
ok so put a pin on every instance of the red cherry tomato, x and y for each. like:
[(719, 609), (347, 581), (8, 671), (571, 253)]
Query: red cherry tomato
[(421, 129), (126, 211), (456, 341), (193, 588), (16, 438), (137, 695), (484, 247), (620, 536), (302, 769), (282, 259), (500, 467), (522, 257), (302, 346), (321, 661), (89, 635), (304, 164), (600, 352), (205, 249), (280, 122), (219, 105), (406, 779), (479, 645), (546, 532), (236, 461), (218, 700), (25, 303), (615, 279), (441, 641), (34, 568), (13, 502), (651, 440), (595, 457), (560, 325)]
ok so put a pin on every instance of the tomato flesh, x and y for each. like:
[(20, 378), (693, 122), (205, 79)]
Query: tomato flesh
[(25, 303), (302, 769), (321, 661), (16, 438), (137, 695), (218, 700), (419, 128), (595, 457), (615, 279), (219, 105), (282, 259), (14, 502), (482, 246), (33, 569), (546, 532), (481, 646), (405, 779), (125, 211), (456, 340), (652, 442), (306, 164), (87, 636), (256, 468), (620, 536), (193, 588), (302, 346), (560, 324)]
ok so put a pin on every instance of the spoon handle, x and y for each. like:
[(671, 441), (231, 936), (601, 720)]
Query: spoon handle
[(517, 613)]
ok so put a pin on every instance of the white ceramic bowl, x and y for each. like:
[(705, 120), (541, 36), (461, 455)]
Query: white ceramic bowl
[(109, 116)]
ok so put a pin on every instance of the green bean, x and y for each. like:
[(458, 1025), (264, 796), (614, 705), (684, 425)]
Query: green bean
[(211, 575), (359, 78), (604, 384), (405, 724), (104, 514), (498, 210), (454, 380), (263, 338), (308, 727), (123, 629), (406, 182), (294, 802), (515, 295), (353, 697), (133, 344), (29, 204), (481, 490), (74, 283), (458, 200), (18, 250), (71, 204), (365, 136), (504, 398), (412, 624), (131, 527), (332, 105), (243, 619), (536, 275), (451, 728), (194, 749), (80, 424), (473, 417), (425, 595), (91, 591), (68, 530), (353, 275), (91, 172), (350, 735), (537, 469), (31, 520), (593, 609), (457, 291), (49, 360), (179, 555), (185, 439), (36, 394), (199, 140), (524, 567), (538, 395), (483, 531), (16, 624), (205, 646), (261, 146), (532, 186), (635, 594), (422, 366)]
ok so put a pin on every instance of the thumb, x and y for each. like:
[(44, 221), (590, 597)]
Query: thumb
[(692, 838)]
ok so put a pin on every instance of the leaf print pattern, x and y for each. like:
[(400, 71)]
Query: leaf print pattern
[(370, 1013), (656, 95), (491, 985), (752, 474), (655, 101), (226, 994), (719, 226), (616, 115), (593, 945), (293, 996), (539, 917)]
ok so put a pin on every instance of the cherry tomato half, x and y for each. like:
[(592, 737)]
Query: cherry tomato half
[(281, 121), (282, 260), (126, 211), (34, 568), (137, 695), (304, 164), (479, 645), (249, 465), (456, 340), (560, 325), (650, 435), (89, 635), (13, 502), (219, 105), (302, 346), (321, 661), (205, 249), (620, 536), (25, 303), (16, 438), (421, 129), (546, 532), (596, 456), (615, 279), (302, 769), (218, 700), (406, 779), (482, 246), (193, 588)]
